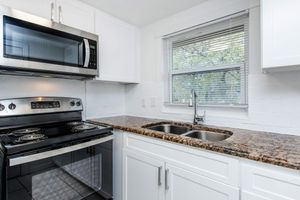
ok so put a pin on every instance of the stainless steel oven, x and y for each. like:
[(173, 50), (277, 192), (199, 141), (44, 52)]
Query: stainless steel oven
[(78, 171), (48, 152), (36, 46)]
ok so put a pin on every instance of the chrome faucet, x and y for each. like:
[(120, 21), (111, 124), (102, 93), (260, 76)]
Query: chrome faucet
[(198, 119)]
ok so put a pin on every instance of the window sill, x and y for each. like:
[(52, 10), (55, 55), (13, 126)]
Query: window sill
[(242, 106)]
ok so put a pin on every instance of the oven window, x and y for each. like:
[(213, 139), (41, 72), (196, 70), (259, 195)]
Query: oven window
[(70, 176), (36, 43)]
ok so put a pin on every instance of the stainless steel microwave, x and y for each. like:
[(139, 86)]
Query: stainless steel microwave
[(32, 45)]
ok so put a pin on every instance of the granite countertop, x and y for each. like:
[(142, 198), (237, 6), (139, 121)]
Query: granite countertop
[(278, 149)]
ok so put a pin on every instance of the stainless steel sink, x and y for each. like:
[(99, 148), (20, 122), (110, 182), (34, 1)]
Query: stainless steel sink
[(206, 135), (170, 128), (189, 132)]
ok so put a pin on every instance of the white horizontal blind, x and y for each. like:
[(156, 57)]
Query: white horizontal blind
[(212, 60)]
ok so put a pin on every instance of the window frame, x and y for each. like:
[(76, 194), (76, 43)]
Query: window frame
[(219, 25)]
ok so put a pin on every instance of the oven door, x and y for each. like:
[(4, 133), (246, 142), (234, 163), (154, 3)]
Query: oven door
[(34, 44), (80, 171)]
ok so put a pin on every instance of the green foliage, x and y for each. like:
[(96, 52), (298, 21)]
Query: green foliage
[(221, 86)]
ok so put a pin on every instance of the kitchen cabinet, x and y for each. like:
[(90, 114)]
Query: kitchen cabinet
[(184, 184), (69, 12), (251, 196), (269, 182), (152, 175), (189, 173), (118, 165), (280, 34), (41, 8), (143, 177), (76, 14), (118, 49)]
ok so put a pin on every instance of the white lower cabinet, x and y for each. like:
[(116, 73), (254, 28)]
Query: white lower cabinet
[(269, 182), (143, 177), (151, 176), (159, 170), (251, 196), (182, 184)]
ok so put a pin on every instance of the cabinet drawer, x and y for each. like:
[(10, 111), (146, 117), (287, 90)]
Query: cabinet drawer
[(211, 165), (270, 182)]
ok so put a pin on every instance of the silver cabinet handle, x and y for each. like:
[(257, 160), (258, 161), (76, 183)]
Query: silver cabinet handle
[(159, 176), (60, 14), (52, 11), (166, 179)]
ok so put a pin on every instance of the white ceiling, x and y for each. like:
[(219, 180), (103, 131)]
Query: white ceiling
[(142, 12)]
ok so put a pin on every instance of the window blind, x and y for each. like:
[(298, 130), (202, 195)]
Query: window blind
[(212, 60)]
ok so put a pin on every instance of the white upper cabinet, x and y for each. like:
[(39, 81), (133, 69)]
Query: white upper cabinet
[(41, 8), (76, 14), (118, 49), (69, 12), (280, 34)]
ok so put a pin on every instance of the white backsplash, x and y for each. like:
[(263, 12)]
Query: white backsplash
[(99, 99)]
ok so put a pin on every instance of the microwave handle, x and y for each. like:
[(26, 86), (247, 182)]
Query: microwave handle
[(48, 154), (87, 52)]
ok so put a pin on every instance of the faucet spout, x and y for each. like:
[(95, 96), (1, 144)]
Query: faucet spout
[(198, 119)]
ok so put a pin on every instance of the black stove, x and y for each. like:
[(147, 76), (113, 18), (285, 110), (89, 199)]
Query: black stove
[(24, 139), (45, 144)]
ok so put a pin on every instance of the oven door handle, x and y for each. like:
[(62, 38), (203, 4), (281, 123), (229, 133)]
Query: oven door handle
[(87, 52), (57, 152)]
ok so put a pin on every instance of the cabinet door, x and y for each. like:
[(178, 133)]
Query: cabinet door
[(183, 184), (142, 177), (118, 48), (41, 8), (250, 196), (280, 33), (76, 14), (270, 182)]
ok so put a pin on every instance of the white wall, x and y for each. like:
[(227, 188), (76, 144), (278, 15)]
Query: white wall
[(274, 99), (99, 98), (105, 99)]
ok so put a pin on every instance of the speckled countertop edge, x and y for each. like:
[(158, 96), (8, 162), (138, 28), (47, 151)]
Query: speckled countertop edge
[(277, 149)]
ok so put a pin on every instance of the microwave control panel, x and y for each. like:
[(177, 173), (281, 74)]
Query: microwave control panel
[(93, 54)]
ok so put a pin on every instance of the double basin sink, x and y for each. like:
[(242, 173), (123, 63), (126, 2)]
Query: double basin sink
[(189, 132)]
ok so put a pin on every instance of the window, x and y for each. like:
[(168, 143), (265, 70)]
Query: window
[(212, 60)]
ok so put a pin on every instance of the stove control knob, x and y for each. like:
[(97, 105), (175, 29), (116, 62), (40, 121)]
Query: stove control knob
[(2, 107), (78, 103), (72, 103), (12, 106)]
